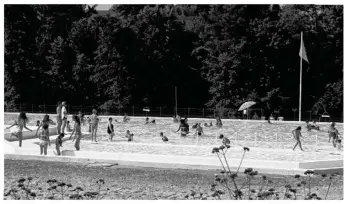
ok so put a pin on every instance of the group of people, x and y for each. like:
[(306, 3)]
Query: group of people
[(333, 134), (93, 120)]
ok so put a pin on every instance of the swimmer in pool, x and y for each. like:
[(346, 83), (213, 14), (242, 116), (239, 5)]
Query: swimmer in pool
[(225, 140), (183, 128), (163, 137), (199, 130)]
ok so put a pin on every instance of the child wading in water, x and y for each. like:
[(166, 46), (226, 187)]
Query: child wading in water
[(333, 133), (297, 135), (68, 127), (225, 140), (59, 143), (129, 135), (20, 123), (77, 131), (163, 137), (94, 124), (199, 130), (110, 129), (44, 141)]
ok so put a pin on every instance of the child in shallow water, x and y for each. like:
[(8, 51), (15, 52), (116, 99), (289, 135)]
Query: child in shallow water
[(44, 140), (68, 127), (163, 137), (225, 140), (59, 143), (129, 135)]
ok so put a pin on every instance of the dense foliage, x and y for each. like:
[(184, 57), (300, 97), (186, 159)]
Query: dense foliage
[(216, 55)]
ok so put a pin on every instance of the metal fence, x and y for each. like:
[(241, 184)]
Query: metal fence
[(162, 111)]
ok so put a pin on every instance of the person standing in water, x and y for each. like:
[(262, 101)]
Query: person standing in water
[(297, 135), (45, 121), (333, 133), (183, 128), (94, 124), (44, 140), (110, 129), (59, 120), (20, 123), (63, 116), (77, 131)]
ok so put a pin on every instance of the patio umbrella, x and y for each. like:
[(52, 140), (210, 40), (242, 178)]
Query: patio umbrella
[(246, 105)]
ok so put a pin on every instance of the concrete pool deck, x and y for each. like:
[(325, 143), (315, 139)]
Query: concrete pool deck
[(180, 156)]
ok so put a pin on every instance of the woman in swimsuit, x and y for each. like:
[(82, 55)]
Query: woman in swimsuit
[(110, 129), (297, 135), (183, 128), (20, 123), (45, 121), (94, 124), (44, 140), (77, 131)]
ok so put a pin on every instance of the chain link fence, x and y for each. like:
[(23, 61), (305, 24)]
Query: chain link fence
[(162, 111)]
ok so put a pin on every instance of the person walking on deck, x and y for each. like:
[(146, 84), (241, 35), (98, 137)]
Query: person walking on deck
[(297, 135)]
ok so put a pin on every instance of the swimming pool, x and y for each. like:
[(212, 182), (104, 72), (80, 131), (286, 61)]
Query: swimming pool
[(240, 132)]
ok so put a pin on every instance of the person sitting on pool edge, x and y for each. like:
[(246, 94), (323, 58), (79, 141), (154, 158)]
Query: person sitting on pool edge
[(38, 123), (225, 140), (163, 137), (195, 125)]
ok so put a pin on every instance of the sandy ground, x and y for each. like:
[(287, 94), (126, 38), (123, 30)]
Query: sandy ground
[(126, 182)]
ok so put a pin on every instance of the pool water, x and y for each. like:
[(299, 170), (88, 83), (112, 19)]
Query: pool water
[(247, 133)]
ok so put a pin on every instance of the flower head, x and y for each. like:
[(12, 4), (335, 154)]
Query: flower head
[(215, 150), (30, 178), (21, 180), (308, 172), (324, 175), (297, 176), (248, 170), (246, 149)]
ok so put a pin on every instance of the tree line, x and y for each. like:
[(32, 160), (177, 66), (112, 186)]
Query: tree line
[(217, 56)]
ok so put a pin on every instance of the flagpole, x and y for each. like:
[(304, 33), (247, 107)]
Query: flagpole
[(301, 46)]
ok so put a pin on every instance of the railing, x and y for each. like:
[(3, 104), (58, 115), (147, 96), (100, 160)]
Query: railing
[(163, 111)]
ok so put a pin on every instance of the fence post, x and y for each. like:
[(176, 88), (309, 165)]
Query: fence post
[(203, 112), (133, 111), (160, 111)]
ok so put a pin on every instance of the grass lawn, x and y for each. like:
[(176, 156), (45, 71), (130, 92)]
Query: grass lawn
[(127, 182)]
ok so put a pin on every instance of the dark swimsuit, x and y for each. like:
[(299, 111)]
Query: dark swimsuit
[(109, 131)]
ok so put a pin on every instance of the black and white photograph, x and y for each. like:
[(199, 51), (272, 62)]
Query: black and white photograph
[(164, 101)]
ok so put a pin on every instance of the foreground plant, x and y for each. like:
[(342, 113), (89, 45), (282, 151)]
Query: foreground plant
[(225, 183), (56, 190)]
